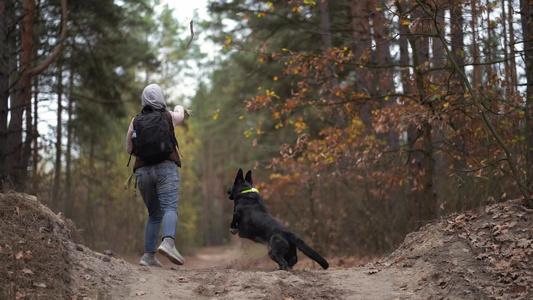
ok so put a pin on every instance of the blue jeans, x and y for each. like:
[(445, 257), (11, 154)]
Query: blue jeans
[(158, 185)]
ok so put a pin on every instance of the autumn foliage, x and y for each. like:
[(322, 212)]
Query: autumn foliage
[(406, 110)]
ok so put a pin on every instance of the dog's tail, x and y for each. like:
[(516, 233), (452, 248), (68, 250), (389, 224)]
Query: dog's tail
[(302, 246)]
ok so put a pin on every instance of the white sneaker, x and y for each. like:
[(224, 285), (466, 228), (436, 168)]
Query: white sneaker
[(149, 260), (168, 250)]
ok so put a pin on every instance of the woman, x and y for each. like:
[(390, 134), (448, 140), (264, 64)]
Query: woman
[(158, 184)]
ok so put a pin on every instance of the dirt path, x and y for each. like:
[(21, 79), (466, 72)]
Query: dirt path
[(240, 272), (481, 254)]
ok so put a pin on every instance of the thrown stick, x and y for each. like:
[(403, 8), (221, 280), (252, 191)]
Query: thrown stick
[(192, 35)]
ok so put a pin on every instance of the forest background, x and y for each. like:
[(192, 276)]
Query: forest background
[(361, 119)]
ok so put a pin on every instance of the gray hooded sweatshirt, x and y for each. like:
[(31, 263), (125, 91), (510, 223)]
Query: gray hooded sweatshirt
[(153, 96)]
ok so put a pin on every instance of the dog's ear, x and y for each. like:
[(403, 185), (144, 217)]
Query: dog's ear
[(239, 175), (249, 177)]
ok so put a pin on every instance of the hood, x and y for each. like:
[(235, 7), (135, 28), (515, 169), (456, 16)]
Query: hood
[(153, 96)]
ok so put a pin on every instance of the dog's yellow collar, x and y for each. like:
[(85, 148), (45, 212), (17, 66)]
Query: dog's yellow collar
[(252, 190)]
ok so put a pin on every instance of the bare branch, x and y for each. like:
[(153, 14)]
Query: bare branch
[(59, 47)]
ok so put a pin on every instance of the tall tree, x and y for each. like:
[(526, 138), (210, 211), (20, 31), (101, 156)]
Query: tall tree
[(16, 157), (59, 135), (5, 8), (526, 12)]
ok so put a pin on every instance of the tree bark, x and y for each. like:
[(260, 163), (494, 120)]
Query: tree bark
[(512, 43), (384, 78), (475, 48), (4, 86), (327, 45), (422, 162), (68, 154), (457, 38), (526, 12), (404, 55), (488, 43), (15, 165), (457, 88), (35, 137), (59, 138), (361, 49), (17, 155)]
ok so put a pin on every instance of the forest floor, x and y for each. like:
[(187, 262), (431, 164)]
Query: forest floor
[(481, 254)]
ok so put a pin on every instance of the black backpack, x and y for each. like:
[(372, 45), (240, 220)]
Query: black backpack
[(153, 136)]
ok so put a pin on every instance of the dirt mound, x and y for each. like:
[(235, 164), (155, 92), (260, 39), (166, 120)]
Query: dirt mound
[(483, 254), (32, 252)]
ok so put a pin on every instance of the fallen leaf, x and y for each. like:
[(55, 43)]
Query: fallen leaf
[(501, 265), (455, 263), (140, 293), (20, 295), (512, 224), (39, 285), (27, 271), (183, 280), (518, 289), (399, 259), (28, 255), (19, 255), (523, 243), (87, 277), (17, 209)]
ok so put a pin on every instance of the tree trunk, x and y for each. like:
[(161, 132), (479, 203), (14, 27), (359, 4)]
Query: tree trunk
[(512, 53), (327, 45), (457, 38), (457, 88), (68, 154), (488, 43), (422, 163), (59, 138), (35, 137), (475, 48), (361, 49), (437, 77), (222, 226), (526, 11), (407, 90), (205, 176), (15, 165), (384, 78), (18, 154), (507, 81), (4, 86), (210, 194)]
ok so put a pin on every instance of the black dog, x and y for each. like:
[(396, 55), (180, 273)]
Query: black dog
[(252, 221)]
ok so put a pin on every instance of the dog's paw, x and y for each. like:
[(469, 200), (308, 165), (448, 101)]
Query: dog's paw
[(233, 231)]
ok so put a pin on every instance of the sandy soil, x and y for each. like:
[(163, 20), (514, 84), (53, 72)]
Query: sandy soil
[(241, 271), (483, 254)]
